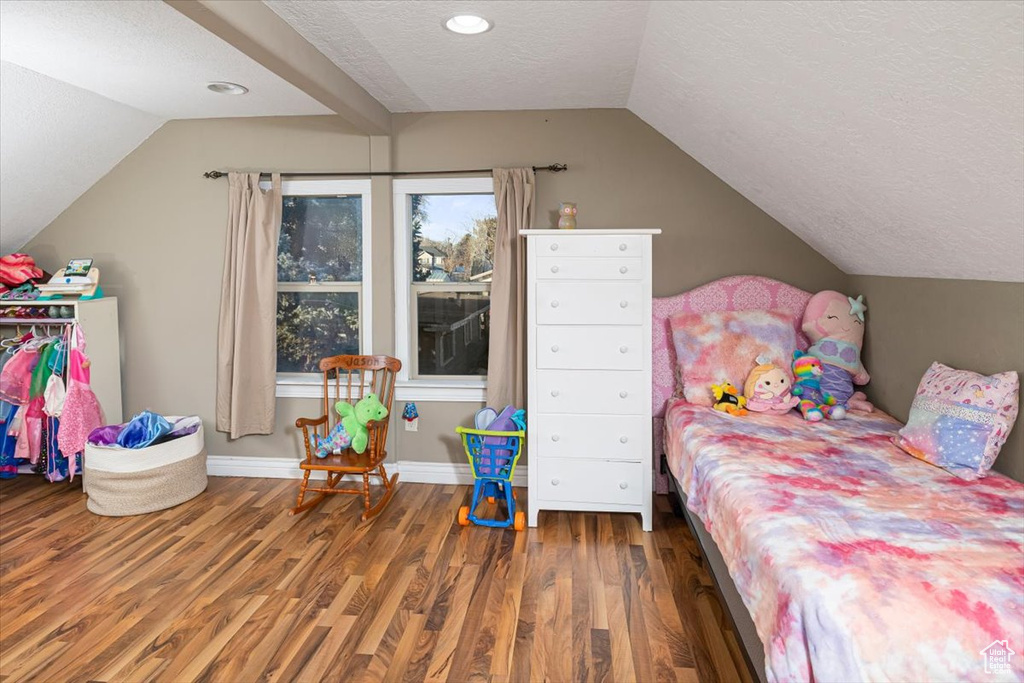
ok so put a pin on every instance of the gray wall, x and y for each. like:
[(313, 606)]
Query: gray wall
[(963, 323), (154, 212)]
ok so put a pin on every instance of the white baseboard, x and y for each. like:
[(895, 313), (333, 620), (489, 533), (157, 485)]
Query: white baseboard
[(288, 468)]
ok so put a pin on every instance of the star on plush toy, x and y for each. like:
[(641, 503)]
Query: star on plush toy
[(857, 306)]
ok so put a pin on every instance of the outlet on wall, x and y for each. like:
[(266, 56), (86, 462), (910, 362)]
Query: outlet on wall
[(412, 425)]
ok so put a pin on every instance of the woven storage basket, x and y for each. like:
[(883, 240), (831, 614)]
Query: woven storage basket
[(123, 482)]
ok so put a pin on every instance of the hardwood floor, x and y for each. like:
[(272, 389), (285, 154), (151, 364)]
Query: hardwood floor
[(228, 587)]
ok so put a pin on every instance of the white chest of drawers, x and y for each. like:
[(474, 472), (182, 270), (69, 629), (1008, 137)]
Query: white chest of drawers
[(589, 371)]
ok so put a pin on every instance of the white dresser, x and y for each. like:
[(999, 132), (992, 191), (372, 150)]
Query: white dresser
[(589, 371)]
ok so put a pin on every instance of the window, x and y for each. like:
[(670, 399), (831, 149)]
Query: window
[(444, 255), (323, 275)]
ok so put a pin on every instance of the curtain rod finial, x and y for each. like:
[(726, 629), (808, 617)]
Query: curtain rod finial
[(557, 168), (214, 174)]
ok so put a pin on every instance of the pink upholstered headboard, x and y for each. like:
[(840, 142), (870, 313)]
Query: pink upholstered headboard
[(736, 293)]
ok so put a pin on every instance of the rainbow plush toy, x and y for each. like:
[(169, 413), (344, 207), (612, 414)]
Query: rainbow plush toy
[(815, 404)]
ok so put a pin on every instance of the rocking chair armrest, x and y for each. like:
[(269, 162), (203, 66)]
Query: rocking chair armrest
[(304, 422), (376, 424)]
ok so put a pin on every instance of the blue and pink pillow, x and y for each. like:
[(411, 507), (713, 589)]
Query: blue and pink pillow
[(959, 419)]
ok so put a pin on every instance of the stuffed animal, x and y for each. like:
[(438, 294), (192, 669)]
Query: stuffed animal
[(335, 442), (768, 388), (815, 404), (728, 399), (834, 323), (355, 417)]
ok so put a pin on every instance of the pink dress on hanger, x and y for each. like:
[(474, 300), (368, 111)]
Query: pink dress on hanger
[(16, 376), (82, 412)]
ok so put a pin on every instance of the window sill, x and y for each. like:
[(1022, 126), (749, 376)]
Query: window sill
[(406, 390), (441, 390)]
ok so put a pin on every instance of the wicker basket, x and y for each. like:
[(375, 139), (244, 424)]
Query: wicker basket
[(122, 482)]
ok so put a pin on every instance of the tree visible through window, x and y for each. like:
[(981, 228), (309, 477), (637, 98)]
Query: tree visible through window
[(319, 273), (452, 262)]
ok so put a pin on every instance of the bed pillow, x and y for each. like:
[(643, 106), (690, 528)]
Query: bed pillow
[(717, 346), (959, 419)]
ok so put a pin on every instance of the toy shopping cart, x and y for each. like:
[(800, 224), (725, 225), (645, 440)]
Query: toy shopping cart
[(493, 456)]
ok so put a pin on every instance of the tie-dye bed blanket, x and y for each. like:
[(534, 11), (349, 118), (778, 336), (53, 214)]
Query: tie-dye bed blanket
[(857, 562)]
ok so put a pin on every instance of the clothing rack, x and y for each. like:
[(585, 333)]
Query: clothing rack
[(551, 168)]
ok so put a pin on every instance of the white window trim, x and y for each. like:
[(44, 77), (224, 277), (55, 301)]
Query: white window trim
[(406, 388), (310, 385)]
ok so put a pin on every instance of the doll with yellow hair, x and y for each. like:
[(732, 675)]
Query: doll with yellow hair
[(768, 388)]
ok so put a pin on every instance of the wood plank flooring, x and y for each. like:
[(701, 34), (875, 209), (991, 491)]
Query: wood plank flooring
[(228, 587)]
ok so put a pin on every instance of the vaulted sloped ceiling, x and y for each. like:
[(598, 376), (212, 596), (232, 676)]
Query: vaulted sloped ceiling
[(888, 135)]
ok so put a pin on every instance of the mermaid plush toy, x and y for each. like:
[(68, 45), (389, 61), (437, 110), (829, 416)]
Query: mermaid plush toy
[(834, 323)]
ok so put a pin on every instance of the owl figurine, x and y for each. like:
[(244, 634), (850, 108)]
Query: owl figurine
[(567, 215)]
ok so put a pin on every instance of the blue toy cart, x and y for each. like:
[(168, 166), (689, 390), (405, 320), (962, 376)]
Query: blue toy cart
[(493, 457)]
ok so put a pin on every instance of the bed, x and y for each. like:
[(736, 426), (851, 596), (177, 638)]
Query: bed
[(850, 559)]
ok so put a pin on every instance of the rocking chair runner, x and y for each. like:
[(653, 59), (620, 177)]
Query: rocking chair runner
[(352, 377)]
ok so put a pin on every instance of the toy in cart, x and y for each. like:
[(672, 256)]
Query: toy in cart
[(493, 449)]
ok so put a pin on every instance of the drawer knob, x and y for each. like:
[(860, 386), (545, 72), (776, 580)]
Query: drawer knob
[(554, 269), (623, 485), (555, 437), (554, 348), (623, 270), (623, 303), (554, 247), (623, 439), (555, 482), (554, 304), (623, 394), (623, 349), (554, 392), (622, 247)]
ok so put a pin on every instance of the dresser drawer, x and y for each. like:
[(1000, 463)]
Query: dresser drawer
[(590, 481), (616, 269), (592, 391), (590, 303), (609, 437), (591, 347), (589, 245)]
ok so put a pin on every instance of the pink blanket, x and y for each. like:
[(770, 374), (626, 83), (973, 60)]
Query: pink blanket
[(856, 561)]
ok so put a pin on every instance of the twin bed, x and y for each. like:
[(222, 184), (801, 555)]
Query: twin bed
[(839, 556)]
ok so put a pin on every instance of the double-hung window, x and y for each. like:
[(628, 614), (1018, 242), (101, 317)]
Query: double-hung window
[(323, 279), (444, 257)]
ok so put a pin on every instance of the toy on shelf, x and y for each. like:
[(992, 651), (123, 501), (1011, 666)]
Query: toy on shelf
[(493, 453), (728, 399), (78, 278)]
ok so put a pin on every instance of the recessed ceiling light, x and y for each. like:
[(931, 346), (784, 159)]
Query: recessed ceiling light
[(225, 88), (468, 24)]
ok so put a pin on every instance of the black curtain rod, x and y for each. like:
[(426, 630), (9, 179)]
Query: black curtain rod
[(554, 168)]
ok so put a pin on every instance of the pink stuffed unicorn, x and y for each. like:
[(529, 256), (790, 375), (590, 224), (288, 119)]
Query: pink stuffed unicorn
[(834, 323)]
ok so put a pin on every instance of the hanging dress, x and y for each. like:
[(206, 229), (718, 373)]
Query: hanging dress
[(82, 412)]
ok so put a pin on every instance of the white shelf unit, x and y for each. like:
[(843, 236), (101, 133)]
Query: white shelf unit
[(98, 320), (589, 371)]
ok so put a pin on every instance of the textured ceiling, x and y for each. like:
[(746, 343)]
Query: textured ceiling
[(888, 135), (144, 54), (57, 141), (540, 55)]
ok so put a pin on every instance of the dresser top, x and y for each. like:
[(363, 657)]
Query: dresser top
[(605, 231)]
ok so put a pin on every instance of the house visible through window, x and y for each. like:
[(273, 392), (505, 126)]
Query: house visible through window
[(448, 228), (322, 302)]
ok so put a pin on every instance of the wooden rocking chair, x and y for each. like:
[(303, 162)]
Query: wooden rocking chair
[(352, 377)]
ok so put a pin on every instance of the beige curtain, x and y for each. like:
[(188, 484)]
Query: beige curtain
[(514, 191), (247, 336)]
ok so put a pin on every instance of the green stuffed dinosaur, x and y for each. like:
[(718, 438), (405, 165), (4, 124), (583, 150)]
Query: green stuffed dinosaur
[(354, 418)]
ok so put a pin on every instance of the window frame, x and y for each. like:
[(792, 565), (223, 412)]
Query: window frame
[(409, 387), (310, 384)]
